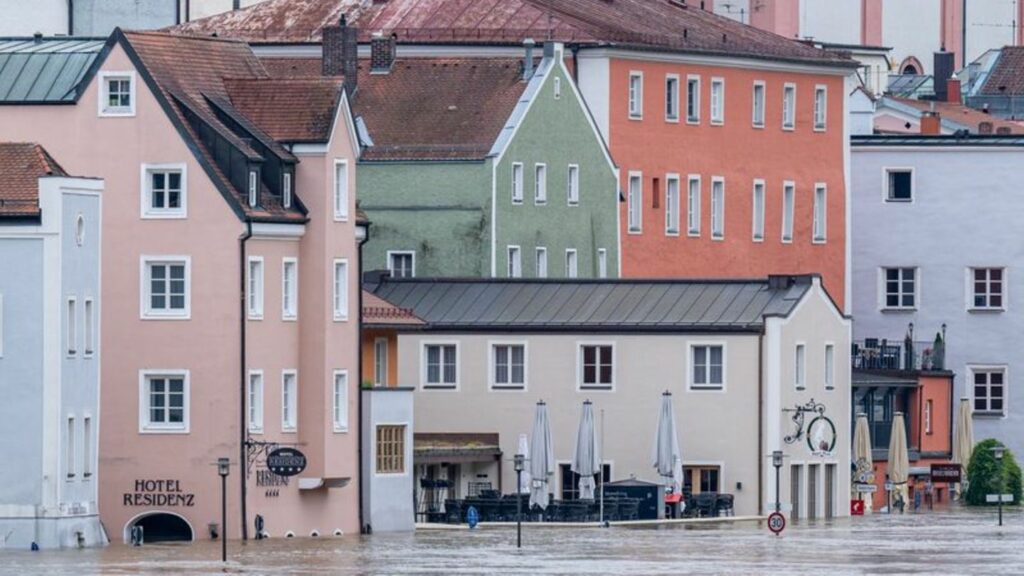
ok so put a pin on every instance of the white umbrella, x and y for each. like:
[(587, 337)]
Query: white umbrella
[(542, 464), (963, 446), (665, 456), (586, 459), (899, 459), (862, 459), (524, 449)]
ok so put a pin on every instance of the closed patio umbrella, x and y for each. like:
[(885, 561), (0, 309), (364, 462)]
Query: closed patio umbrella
[(963, 443), (586, 459), (862, 449), (666, 457), (524, 449), (542, 462), (899, 459)]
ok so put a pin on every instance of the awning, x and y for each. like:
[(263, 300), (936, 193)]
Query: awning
[(866, 379), (315, 483), (437, 448)]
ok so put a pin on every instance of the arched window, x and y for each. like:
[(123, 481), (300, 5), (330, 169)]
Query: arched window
[(160, 527)]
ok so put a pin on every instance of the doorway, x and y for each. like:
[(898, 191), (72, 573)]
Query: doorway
[(160, 527)]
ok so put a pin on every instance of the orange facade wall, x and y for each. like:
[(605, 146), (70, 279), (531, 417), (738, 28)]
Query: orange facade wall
[(739, 153), (370, 337)]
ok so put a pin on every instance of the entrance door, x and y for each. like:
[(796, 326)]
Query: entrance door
[(161, 527), (830, 490), (812, 491), (795, 489)]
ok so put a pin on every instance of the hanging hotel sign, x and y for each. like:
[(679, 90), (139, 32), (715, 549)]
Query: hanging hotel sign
[(819, 434), (286, 462), (945, 472)]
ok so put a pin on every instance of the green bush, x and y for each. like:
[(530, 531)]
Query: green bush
[(984, 478)]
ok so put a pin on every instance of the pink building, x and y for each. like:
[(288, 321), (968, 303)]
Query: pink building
[(230, 268)]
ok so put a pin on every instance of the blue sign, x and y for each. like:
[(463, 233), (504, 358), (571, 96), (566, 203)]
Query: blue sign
[(472, 517)]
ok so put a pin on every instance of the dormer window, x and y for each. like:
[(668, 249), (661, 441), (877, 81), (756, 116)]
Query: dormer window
[(253, 188), (117, 94), (287, 190)]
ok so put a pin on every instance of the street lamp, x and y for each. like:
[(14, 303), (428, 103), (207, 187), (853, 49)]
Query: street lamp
[(520, 463), (998, 450), (777, 462), (223, 469)]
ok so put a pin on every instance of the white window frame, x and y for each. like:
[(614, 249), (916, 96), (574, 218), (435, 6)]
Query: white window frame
[(758, 199), (147, 427), (71, 327), (286, 189), (572, 263), (635, 203), (289, 403), (390, 263), (971, 294), (89, 327), (789, 107), (636, 100), (147, 211), (104, 91), (492, 366), (717, 103), (672, 204), (820, 111), (602, 263), (380, 362), (254, 288), (582, 386), (340, 403), (757, 114), (883, 289), (341, 195), (886, 170), (424, 385), (691, 363), (800, 366), (254, 188), (145, 312), (819, 225), (693, 212), (340, 300), (830, 365), (788, 211), (694, 80), (515, 262), (254, 413), (289, 291), (540, 184), (672, 98), (717, 208), (542, 261), (518, 174), (974, 368), (573, 185)]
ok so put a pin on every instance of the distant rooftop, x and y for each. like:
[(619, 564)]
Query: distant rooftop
[(45, 70), (918, 140), (22, 165)]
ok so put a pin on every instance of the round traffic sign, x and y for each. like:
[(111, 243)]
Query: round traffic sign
[(776, 522)]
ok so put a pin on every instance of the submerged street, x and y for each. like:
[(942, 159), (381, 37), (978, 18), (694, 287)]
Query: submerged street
[(947, 542)]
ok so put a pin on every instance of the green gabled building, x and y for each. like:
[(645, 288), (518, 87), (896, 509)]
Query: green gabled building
[(477, 167)]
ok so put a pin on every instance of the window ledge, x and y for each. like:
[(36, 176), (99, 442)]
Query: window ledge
[(157, 430), (990, 310), (693, 121), (989, 414), (509, 387), (440, 386), (162, 215), (706, 388), (898, 310), (151, 316)]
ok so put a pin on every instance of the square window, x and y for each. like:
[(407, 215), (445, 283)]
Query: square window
[(989, 390), (117, 94), (899, 185), (597, 366), (164, 401), (163, 191), (708, 368), (987, 288), (402, 264), (509, 366), (390, 449), (165, 288), (440, 366), (899, 285)]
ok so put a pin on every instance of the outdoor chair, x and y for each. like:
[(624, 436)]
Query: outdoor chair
[(707, 504), (453, 511), (724, 505), (575, 511)]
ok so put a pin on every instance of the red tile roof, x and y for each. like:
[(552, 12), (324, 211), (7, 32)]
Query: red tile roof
[(289, 110), (22, 164), (380, 312), (962, 114), (1007, 73), (664, 24)]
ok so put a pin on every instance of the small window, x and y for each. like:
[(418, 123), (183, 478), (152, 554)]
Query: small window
[(165, 402), (286, 187), (928, 416), (899, 185), (341, 199), (717, 208), (987, 286), (635, 200), (597, 370), (256, 401), (117, 94), (900, 286), (440, 366), (87, 443), (90, 327), (789, 107), (708, 367), (509, 366), (571, 264), (289, 289), (340, 404), (72, 327), (558, 88), (672, 205), (390, 449), (254, 295), (758, 210), (540, 184), (254, 188), (402, 264), (788, 206), (717, 101), (340, 290), (574, 185), (515, 262), (164, 193), (758, 112), (830, 367), (69, 448), (820, 107), (542, 262), (636, 95), (800, 367), (989, 390), (517, 182), (380, 362), (166, 288), (693, 206), (693, 99), (672, 98), (602, 263), (79, 230), (289, 400), (820, 223)]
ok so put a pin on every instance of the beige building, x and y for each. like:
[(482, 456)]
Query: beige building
[(741, 358)]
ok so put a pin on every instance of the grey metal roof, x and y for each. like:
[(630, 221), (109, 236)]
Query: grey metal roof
[(593, 305), (45, 70), (993, 140)]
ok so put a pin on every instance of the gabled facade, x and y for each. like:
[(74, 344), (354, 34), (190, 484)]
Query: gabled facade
[(231, 249)]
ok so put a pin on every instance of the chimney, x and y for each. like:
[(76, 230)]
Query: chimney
[(953, 91), (340, 53), (931, 123), (528, 58), (942, 71), (382, 53)]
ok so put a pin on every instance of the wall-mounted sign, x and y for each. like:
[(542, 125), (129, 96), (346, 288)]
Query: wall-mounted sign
[(158, 493), (286, 462), (819, 433), (945, 473)]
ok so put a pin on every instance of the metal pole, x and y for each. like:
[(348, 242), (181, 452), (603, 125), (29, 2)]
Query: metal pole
[(778, 501), (224, 518), (519, 508), (600, 472)]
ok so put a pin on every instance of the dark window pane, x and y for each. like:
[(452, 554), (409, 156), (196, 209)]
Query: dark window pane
[(606, 374), (589, 355), (995, 378), (589, 374), (979, 404), (996, 301), (997, 404), (174, 180)]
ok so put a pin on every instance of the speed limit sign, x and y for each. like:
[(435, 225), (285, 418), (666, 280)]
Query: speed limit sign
[(776, 523)]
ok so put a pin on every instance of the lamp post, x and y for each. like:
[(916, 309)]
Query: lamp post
[(777, 462), (998, 450), (519, 460), (223, 469)]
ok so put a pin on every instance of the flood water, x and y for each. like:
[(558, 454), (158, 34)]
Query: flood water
[(952, 542)]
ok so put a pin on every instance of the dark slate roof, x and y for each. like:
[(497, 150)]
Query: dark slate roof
[(593, 305), (22, 164), (972, 140), (45, 70)]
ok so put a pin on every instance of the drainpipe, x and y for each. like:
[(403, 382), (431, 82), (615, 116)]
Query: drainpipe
[(71, 17), (760, 422), (243, 464), (963, 35), (359, 370)]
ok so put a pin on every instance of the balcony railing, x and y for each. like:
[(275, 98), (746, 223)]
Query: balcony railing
[(882, 354)]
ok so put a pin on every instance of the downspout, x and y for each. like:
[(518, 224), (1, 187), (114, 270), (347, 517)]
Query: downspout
[(188, 10), (243, 464), (177, 12), (359, 370), (963, 35), (71, 17), (760, 422)]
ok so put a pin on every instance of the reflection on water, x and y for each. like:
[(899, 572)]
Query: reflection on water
[(950, 542)]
